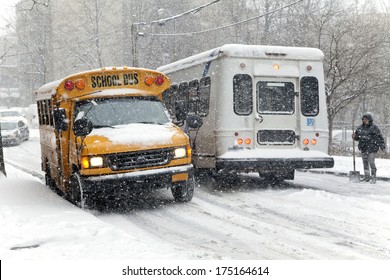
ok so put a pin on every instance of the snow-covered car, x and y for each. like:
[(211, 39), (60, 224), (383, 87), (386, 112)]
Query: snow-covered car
[(9, 113), (342, 142), (12, 114), (14, 131)]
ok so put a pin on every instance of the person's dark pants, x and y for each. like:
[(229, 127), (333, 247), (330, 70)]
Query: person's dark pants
[(369, 163)]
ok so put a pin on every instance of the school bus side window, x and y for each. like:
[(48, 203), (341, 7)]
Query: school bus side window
[(39, 104), (309, 96), (242, 94), (204, 96), (49, 113), (45, 108)]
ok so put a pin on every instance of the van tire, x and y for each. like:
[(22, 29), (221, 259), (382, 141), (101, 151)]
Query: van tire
[(277, 177), (184, 191), (76, 191)]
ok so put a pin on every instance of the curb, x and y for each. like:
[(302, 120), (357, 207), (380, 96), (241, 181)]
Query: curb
[(336, 173)]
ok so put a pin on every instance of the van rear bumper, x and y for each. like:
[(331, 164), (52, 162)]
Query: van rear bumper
[(146, 179), (267, 164)]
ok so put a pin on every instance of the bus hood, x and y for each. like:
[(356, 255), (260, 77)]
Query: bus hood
[(131, 137)]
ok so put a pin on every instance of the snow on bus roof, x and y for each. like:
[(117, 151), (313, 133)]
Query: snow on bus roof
[(246, 51)]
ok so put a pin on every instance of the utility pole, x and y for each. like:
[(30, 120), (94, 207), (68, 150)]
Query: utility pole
[(2, 166), (134, 41)]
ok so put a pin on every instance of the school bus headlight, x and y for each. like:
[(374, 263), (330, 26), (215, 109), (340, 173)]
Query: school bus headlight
[(91, 162), (180, 153), (96, 161)]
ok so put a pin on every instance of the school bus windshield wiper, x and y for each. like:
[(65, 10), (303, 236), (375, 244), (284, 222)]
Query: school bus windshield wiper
[(102, 126)]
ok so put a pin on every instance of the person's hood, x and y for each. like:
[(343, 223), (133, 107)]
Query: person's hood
[(369, 117)]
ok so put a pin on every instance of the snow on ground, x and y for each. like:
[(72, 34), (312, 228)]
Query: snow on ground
[(33, 216), (316, 216), (345, 164)]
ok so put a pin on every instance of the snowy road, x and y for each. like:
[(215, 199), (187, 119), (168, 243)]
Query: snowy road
[(313, 217), (257, 221)]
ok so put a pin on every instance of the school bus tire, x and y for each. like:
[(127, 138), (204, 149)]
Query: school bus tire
[(76, 191), (184, 191), (48, 180)]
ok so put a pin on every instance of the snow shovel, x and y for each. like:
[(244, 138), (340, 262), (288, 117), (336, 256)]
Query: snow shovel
[(354, 176)]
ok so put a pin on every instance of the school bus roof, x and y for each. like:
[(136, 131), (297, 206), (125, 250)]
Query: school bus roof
[(106, 81)]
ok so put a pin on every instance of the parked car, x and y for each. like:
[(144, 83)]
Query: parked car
[(342, 142), (14, 131), (9, 113)]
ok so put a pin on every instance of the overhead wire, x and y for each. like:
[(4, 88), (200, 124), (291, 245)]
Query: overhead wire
[(221, 27)]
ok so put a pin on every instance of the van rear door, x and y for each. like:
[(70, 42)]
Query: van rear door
[(276, 112)]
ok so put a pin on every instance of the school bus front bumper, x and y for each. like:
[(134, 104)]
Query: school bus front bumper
[(145, 179)]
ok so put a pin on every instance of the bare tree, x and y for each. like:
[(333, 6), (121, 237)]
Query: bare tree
[(351, 56)]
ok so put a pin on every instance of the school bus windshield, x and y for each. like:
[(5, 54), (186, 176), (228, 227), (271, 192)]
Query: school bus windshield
[(107, 112)]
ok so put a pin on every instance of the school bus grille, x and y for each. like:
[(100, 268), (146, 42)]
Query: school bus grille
[(133, 160)]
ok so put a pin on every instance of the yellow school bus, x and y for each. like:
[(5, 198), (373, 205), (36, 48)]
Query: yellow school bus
[(106, 132)]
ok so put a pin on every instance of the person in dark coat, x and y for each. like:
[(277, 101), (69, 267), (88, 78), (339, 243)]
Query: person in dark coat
[(370, 140)]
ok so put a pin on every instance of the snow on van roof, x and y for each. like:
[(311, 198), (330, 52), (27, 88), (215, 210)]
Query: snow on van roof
[(246, 51)]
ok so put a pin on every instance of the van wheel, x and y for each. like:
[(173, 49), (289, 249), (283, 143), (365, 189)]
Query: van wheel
[(77, 187), (184, 191), (277, 177)]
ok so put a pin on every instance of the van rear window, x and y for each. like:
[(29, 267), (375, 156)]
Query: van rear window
[(309, 96)]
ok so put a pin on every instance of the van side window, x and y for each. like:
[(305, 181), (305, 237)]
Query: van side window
[(193, 97), (309, 96), (169, 98), (242, 94), (181, 105), (204, 96)]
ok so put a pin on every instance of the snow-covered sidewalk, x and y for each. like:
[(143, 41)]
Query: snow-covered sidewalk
[(343, 165)]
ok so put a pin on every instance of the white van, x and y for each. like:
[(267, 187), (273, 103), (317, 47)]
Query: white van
[(263, 108)]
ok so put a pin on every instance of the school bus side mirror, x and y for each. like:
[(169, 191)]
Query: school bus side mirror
[(194, 121), (60, 121), (82, 127)]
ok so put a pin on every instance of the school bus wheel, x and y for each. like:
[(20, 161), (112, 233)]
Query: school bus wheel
[(48, 180), (76, 191), (183, 191)]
